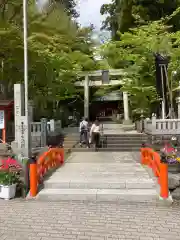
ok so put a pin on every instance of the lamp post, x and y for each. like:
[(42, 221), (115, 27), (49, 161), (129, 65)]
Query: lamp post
[(26, 114)]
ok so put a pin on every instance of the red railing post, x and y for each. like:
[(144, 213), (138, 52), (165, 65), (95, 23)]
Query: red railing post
[(142, 155), (33, 179), (62, 156), (164, 191)]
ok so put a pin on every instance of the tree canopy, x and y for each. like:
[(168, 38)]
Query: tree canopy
[(134, 49), (57, 50), (125, 14)]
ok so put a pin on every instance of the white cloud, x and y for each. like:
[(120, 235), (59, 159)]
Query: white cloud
[(90, 12)]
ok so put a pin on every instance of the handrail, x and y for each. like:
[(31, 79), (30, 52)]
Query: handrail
[(160, 169), (50, 159)]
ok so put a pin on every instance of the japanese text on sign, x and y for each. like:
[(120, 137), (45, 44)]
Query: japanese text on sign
[(1, 119)]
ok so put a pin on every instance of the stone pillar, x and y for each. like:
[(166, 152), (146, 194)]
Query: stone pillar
[(18, 104), (178, 100), (163, 110), (22, 124), (31, 108), (52, 125), (86, 97), (126, 108), (43, 132), (178, 105)]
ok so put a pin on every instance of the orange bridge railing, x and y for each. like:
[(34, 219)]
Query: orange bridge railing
[(53, 158), (160, 169)]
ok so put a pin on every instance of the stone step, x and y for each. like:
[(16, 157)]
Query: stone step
[(96, 168), (124, 139), (109, 166), (126, 145), (103, 175), (71, 141), (126, 135), (116, 140), (69, 145), (103, 157), (131, 183), (99, 195), (124, 149), (71, 138)]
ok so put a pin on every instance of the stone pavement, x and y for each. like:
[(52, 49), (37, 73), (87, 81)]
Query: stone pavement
[(100, 176), (35, 220)]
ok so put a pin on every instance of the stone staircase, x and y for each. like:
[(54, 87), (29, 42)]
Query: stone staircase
[(100, 176), (122, 142), (125, 142), (70, 141)]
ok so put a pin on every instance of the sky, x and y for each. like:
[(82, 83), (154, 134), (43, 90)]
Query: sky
[(90, 12)]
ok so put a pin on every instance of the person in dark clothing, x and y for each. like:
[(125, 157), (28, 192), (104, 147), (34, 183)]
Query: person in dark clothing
[(83, 129)]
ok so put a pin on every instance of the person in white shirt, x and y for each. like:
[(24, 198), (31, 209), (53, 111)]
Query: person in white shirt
[(83, 129), (95, 133)]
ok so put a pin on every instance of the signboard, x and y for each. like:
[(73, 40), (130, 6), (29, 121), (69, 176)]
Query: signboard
[(2, 119), (113, 96), (18, 104), (22, 136), (105, 77)]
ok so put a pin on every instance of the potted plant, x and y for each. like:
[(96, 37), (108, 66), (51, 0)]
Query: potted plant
[(8, 182)]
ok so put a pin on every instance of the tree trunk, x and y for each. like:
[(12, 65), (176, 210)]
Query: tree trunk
[(124, 14)]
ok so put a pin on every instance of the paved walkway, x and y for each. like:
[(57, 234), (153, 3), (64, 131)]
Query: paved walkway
[(100, 176), (60, 220), (34, 220)]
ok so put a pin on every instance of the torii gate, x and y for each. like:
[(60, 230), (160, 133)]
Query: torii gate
[(104, 74)]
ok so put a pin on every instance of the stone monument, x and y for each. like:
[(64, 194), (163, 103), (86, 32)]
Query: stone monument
[(21, 146)]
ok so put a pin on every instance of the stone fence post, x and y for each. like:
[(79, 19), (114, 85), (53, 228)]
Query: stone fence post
[(52, 125), (153, 130), (43, 132), (153, 122)]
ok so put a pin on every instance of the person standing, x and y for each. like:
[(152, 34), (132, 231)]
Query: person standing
[(95, 134), (83, 129)]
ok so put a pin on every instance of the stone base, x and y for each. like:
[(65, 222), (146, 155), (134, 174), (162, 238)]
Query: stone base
[(14, 147), (174, 168), (3, 147), (127, 122)]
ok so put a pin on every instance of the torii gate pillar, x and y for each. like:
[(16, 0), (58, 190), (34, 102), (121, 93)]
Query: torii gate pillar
[(86, 97)]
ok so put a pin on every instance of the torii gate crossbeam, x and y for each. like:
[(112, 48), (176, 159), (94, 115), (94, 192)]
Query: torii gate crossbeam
[(87, 83)]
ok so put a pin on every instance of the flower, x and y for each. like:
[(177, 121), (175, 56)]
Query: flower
[(10, 163)]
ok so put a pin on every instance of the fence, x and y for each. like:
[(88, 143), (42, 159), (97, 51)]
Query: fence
[(159, 126), (40, 131), (160, 169), (49, 160)]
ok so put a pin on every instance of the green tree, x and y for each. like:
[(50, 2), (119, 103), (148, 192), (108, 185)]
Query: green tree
[(57, 49), (125, 14), (134, 52), (69, 6)]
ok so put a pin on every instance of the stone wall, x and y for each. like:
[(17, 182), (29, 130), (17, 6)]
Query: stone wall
[(174, 185)]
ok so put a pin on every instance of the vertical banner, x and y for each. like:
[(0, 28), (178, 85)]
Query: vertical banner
[(161, 64), (2, 125)]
